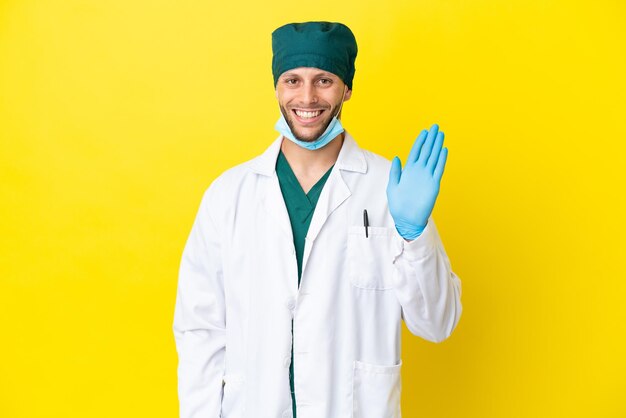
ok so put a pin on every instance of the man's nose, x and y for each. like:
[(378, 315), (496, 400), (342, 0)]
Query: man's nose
[(309, 94)]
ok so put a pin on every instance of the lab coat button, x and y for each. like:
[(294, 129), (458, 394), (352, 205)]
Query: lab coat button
[(291, 303), (287, 362)]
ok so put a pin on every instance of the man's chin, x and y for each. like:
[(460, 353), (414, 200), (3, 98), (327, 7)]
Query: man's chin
[(307, 138), (307, 134)]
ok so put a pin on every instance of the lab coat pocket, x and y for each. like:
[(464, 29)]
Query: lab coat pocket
[(376, 391), (232, 402), (369, 263)]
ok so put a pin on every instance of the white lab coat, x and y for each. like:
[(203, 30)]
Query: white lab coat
[(238, 293)]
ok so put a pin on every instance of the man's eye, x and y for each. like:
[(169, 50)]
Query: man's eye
[(290, 81), (325, 81)]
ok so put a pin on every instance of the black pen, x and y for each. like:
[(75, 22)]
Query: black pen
[(366, 222)]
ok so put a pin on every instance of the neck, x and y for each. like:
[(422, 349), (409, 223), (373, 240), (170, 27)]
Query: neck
[(311, 162)]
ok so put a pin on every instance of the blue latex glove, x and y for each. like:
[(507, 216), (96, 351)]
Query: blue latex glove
[(411, 193)]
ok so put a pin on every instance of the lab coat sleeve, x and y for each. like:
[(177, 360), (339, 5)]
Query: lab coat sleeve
[(200, 320), (426, 287)]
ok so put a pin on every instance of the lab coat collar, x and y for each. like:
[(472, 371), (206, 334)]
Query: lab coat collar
[(350, 158)]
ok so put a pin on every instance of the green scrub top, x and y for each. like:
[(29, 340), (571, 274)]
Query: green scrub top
[(300, 207)]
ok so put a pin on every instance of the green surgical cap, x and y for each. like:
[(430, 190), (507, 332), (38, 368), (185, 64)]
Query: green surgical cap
[(328, 46)]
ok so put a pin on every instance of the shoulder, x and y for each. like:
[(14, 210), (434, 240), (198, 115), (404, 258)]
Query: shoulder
[(355, 154), (370, 176), (225, 186), (376, 162)]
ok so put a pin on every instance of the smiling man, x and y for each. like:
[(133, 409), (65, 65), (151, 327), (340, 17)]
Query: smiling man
[(303, 262)]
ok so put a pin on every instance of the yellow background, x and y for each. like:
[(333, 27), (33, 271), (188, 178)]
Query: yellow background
[(116, 115)]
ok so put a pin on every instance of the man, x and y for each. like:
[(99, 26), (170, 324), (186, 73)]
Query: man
[(302, 262)]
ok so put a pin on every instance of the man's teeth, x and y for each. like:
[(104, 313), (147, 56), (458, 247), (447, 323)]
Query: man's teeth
[(308, 115)]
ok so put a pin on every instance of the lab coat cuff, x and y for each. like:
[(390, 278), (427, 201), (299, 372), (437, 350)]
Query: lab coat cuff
[(420, 247)]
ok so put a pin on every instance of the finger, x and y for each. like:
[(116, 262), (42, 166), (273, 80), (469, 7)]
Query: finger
[(395, 172), (434, 154), (428, 145), (417, 146), (441, 164)]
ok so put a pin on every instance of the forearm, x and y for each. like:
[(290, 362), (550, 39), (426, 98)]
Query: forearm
[(427, 288)]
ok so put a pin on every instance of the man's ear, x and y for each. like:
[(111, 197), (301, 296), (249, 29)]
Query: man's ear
[(348, 95)]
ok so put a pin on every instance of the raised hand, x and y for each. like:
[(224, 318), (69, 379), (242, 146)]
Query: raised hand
[(412, 192)]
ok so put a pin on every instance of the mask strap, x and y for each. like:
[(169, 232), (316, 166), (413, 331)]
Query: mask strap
[(342, 100)]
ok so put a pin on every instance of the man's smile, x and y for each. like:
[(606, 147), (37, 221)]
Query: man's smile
[(308, 116)]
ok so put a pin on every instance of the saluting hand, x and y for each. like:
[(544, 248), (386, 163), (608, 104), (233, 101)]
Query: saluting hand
[(411, 193)]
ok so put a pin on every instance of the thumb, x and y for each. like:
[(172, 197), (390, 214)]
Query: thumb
[(394, 172)]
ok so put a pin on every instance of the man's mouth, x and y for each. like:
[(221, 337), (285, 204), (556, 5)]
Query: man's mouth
[(307, 116)]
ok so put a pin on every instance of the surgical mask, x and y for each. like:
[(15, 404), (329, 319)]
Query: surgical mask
[(334, 128)]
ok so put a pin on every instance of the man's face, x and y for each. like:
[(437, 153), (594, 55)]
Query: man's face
[(309, 98)]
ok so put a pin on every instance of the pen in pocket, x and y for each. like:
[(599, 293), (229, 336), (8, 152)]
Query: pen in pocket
[(366, 222)]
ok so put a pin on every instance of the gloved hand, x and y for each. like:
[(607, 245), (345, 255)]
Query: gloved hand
[(411, 193)]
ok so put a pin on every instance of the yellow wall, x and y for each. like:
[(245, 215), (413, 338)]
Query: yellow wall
[(116, 115)]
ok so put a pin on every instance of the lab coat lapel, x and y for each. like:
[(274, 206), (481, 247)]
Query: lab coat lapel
[(274, 205), (335, 191), (272, 197)]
